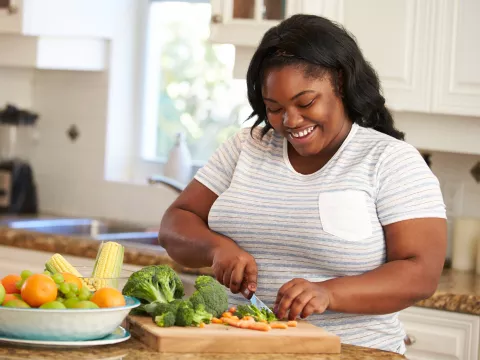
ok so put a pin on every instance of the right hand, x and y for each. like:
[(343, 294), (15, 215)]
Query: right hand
[(235, 268)]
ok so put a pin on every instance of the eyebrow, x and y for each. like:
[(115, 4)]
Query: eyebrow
[(292, 98)]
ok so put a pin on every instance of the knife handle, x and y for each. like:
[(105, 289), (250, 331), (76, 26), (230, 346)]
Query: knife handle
[(247, 293)]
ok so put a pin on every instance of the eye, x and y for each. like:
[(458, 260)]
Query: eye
[(307, 105), (274, 111)]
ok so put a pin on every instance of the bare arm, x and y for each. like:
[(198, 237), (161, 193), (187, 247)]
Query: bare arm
[(184, 232), (415, 257)]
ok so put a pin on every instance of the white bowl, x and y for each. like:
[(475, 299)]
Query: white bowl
[(63, 324)]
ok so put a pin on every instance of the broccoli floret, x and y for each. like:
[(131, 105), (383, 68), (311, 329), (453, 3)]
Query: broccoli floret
[(256, 313), (185, 314), (154, 283), (165, 320), (158, 308), (211, 294), (201, 316)]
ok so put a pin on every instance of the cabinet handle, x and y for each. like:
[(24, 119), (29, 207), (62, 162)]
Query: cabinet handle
[(409, 340), (217, 19)]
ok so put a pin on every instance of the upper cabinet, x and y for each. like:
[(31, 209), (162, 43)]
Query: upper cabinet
[(82, 18), (426, 52), (456, 81)]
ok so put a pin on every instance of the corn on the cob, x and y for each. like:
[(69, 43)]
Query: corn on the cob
[(108, 265), (57, 263)]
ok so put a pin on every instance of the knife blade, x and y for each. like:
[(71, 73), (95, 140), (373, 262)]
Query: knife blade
[(254, 300)]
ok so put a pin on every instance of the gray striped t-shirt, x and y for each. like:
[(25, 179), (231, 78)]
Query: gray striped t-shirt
[(322, 225)]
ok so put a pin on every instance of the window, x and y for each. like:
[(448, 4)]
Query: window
[(189, 84)]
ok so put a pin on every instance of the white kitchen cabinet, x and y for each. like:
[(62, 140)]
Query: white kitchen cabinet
[(81, 18), (456, 82), (441, 335)]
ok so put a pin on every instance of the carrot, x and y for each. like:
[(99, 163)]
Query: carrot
[(202, 325), (230, 322), (235, 318), (227, 314), (233, 310), (259, 326), (244, 324), (263, 321), (278, 326), (248, 317), (216, 321), (292, 323)]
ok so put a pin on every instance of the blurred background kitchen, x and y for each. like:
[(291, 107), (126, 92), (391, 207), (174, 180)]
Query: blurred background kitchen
[(108, 107)]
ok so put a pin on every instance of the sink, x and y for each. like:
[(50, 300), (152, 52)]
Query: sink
[(85, 227)]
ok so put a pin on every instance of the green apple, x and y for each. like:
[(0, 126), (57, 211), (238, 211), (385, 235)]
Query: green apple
[(53, 305)]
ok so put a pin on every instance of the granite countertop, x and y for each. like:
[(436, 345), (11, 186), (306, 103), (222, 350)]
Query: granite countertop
[(134, 350), (457, 291)]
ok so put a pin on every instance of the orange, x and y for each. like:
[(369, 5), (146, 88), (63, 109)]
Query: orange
[(9, 282), (70, 278), (108, 297), (9, 297), (39, 289)]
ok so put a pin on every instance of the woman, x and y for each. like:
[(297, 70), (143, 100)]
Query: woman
[(325, 213)]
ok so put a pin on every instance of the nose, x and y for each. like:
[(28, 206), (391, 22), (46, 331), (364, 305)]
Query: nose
[(291, 118)]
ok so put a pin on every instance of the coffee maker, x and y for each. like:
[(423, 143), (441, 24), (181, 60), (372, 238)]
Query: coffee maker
[(18, 193)]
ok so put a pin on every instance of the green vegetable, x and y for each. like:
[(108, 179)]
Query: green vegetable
[(165, 320), (256, 313), (211, 294), (185, 314), (201, 316), (154, 283)]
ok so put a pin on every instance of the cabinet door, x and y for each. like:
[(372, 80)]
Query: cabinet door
[(243, 22), (394, 37), (457, 58), (10, 16), (440, 335)]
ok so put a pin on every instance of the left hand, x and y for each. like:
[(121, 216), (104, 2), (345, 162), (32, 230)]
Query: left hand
[(301, 297)]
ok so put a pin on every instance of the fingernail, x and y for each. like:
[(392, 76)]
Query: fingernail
[(252, 287)]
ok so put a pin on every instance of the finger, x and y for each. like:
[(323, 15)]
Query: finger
[(218, 272), (314, 306), (299, 304), (287, 299), (227, 275), (250, 274), (285, 287), (236, 278)]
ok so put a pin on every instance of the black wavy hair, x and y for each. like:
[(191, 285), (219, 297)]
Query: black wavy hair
[(318, 46)]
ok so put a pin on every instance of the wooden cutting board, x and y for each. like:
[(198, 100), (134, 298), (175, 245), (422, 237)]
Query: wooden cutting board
[(215, 338)]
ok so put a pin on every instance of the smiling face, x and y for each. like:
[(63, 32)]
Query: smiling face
[(306, 110)]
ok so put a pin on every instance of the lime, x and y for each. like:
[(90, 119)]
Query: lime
[(53, 305), (85, 305), (16, 304), (69, 303), (2, 294)]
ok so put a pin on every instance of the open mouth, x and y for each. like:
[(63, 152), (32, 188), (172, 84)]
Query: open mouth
[(302, 135)]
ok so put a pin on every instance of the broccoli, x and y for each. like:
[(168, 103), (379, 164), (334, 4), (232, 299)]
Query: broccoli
[(185, 314), (201, 315), (257, 314), (154, 283), (158, 308), (165, 320), (211, 294)]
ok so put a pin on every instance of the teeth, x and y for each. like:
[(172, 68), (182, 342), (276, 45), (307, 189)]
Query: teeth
[(303, 133)]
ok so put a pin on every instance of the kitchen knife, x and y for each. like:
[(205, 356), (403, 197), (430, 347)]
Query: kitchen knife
[(254, 300)]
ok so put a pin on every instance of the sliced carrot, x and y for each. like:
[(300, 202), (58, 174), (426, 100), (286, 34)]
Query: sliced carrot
[(227, 314), (235, 318), (230, 322), (202, 325), (259, 326), (292, 323), (233, 309), (244, 324), (263, 321), (278, 326), (216, 321), (248, 317)]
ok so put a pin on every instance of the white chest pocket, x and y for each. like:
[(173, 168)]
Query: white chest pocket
[(345, 214)]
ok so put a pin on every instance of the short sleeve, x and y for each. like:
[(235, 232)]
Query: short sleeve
[(407, 188), (217, 173)]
